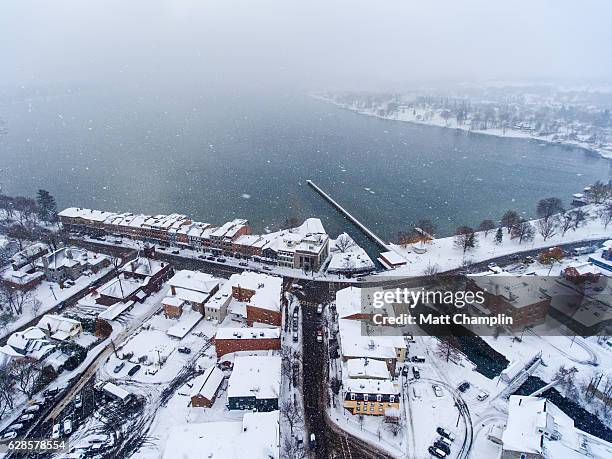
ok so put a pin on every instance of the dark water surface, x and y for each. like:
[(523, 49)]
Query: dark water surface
[(217, 156)]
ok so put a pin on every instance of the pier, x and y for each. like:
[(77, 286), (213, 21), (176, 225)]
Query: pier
[(349, 216)]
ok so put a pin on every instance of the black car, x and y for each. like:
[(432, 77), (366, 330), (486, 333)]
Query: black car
[(50, 392), (202, 257), (443, 446), (210, 257), (184, 350), (221, 260), (416, 373), (133, 370), (463, 386)]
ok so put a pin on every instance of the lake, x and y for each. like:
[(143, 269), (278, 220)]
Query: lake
[(216, 156)]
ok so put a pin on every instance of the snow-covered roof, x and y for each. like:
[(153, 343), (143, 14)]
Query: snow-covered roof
[(20, 277), (247, 333), (355, 260), (173, 301), (367, 368), (60, 327), (256, 436), (267, 289), (143, 266), (114, 311), (311, 226), (521, 432), (194, 280), (88, 214), (392, 258), (119, 288), (348, 302), (255, 376), (353, 344), (584, 268), (207, 384), (186, 322), (516, 290), (371, 386)]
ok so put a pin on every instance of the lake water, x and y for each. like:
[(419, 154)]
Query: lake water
[(218, 156)]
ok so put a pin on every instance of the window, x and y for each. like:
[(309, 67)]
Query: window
[(378, 398), (523, 456), (392, 398), (365, 397), (352, 396)]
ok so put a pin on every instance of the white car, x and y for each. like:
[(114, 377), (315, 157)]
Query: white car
[(67, 426), (57, 431), (78, 401), (32, 409), (26, 417), (437, 390), (482, 396), (319, 309), (9, 435)]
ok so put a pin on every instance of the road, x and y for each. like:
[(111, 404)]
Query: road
[(330, 440)]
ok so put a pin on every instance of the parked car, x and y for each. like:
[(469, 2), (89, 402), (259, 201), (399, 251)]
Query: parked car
[(176, 252), (445, 433), (436, 452), (9, 435), (226, 365), (243, 263), (16, 427), (69, 283), (418, 359), (210, 257), (405, 370), (67, 427), (151, 371), (295, 336), (50, 392), (445, 441), (442, 446), (78, 401), (119, 367), (482, 396), (202, 257), (184, 350), (463, 386), (267, 268), (319, 336), (26, 417), (57, 431), (134, 370), (437, 390), (416, 373), (319, 308), (35, 408)]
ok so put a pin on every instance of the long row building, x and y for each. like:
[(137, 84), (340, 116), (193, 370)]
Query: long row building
[(303, 247)]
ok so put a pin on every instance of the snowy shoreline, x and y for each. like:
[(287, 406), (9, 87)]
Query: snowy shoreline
[(437, 121)]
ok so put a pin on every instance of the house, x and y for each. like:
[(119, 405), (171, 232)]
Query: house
[(27, 257), (257, 436), (579, 273), (518, 297), (305, 247), (262, 295), (206, 386), (537, 429), (31, 342), (234, 339), (349, 258), (21, 279), (370, 396), (60, 328), (151, 273), (367, 369), (192, 289), (355, 303), (118, 290), (255, 383), (70, 263)]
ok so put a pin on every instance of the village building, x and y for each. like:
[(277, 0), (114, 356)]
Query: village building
[(149, 272), (190, 289), (206, 386), (257, 436), (367, 369), (579, 273), (261, 294), (59, 327), (31, 342), (118, 290), (223, 238), (537, 429), (391, 260), (22, 280), (520, 298), (70, 263), (27, 257), (370, 396), (234, 339), (255, 383)]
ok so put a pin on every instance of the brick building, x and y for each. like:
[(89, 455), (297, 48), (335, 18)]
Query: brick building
[(228, 340)]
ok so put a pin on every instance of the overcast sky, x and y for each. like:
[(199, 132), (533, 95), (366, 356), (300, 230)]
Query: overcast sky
[(313, 44)]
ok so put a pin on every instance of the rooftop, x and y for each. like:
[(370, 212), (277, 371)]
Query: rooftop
[(255, 376)]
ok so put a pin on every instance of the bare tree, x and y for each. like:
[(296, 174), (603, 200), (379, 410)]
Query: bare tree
[(15, 298), (291, 450), (548, 207), (20, 233), (291, 414), (523, 231), (448, 348), (465, 238), (395, 427), (25, 373), (344, 243), (7, 390), (510, 219), (579, 218), (600, 191), (431, 270), (486, 226), (548, 227), (605, 215)]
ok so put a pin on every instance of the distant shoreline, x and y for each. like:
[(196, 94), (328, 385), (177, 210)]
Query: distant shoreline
[(510, 133)]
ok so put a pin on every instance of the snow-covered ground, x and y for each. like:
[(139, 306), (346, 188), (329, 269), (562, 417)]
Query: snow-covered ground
[(433, 118), (444, 255)]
